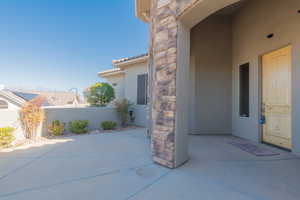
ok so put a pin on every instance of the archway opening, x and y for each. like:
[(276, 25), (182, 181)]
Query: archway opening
[(223, 52)]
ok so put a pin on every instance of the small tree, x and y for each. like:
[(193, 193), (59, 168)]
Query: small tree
[(100, 94), (31, 116), (123, 107)]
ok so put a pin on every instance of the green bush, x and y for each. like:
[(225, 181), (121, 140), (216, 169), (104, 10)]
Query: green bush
[(123, 107), (108, 125), (79, 126), (6, 136), (100, 94), (56, 128)]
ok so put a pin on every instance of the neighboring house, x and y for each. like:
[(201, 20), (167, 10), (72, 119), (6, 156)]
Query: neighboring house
[(222, 67), (12, 101), (10, 104), (130, 80), (58, 98)]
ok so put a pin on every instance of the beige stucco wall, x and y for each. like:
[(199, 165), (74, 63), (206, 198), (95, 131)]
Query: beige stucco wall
[(120, 85), (131, 73), (94, 115), (211, 76), (250, 27), (127, 82), (127, 88), (182, 91)]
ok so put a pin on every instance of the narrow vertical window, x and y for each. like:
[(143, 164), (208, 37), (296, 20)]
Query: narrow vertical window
[(142, 89), (244, 90)]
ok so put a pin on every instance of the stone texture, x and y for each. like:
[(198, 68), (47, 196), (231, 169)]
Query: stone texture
[(163, 54)]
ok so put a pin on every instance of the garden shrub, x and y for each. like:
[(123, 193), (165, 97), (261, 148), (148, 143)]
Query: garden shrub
[(123, 107), (6, 136), (79, 126), (99, 94), (31, 116), (108, 125), (56, 128)]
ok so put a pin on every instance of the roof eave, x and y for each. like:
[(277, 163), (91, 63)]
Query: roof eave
[(142, 10), (124, 64), (106, 74)]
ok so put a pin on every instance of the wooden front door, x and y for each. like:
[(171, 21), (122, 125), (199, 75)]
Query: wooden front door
[(276, 97)]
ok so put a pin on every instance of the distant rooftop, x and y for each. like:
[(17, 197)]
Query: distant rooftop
[(25, 96), (51, 98)]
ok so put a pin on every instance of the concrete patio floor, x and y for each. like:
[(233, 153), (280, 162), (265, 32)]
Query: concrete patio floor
[(118, 166)]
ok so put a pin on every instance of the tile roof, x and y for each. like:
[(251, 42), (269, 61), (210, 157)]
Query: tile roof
[(129, 58), (110, 72)]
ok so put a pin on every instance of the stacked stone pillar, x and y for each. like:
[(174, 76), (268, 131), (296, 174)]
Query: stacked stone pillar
[(163, 52)]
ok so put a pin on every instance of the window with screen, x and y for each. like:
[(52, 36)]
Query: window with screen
[(142, 89), (244, 90)]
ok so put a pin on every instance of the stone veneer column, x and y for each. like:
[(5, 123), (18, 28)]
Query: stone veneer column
[(163, 54)]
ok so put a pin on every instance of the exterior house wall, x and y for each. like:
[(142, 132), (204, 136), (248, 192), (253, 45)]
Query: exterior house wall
[(120, 85), (211, 77), (127, 88), (141, 115), (182, 90), (170, 23), (250, 43), (131, 73)]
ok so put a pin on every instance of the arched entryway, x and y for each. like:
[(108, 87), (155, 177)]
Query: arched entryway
[(222, 46), (209, 45)]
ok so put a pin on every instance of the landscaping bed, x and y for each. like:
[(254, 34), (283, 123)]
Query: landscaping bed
[(93, 132), (41, 141)]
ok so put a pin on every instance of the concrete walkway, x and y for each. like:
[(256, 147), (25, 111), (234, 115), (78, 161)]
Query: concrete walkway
[(118, 166)]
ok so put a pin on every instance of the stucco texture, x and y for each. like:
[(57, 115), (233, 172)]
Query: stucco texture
[(211, 77), (94, 115)]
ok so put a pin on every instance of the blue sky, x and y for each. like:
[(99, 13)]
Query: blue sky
[(60, 44)]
